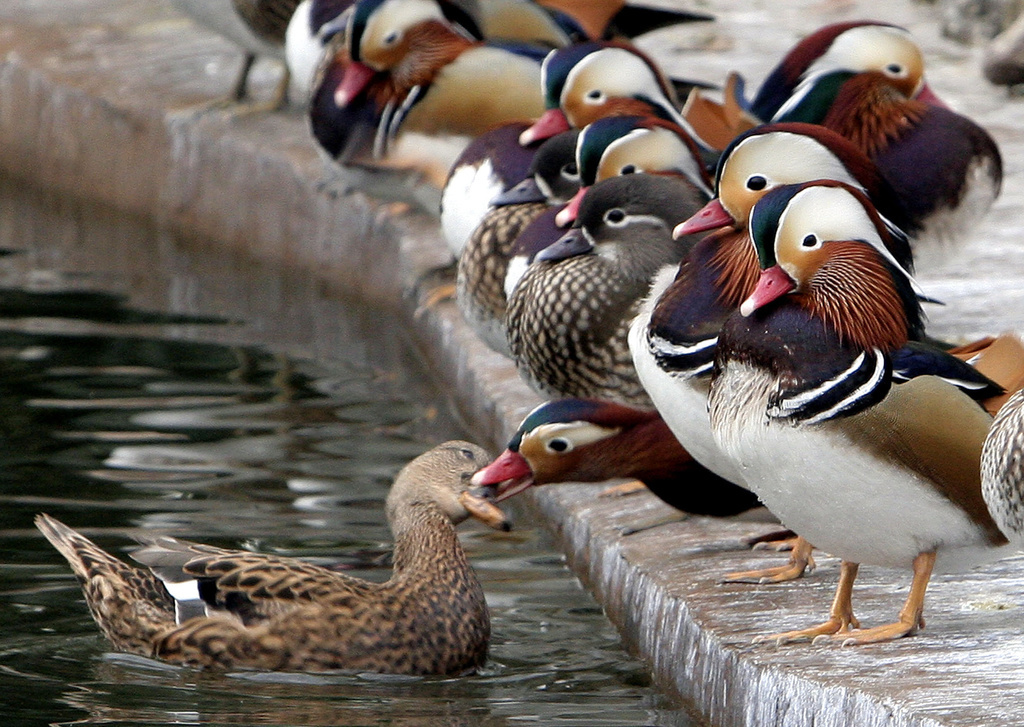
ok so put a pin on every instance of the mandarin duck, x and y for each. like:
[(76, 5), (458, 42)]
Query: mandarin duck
[(673, 340), (211, 607), (806, 402), (617, 145), (491, 164), (310, 28), (589, 440), (863, 45), (258, 27), (484, 262), (945, 169), (1002, 468), (568, 315), (588, 81), (429, 80)]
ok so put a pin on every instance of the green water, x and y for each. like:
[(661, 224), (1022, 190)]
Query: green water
[(151, 384)]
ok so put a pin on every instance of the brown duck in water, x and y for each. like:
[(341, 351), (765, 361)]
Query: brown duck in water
[(206, 606)]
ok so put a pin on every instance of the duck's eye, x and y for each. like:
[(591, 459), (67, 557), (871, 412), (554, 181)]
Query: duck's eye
[(596, 95), (570, 171), (756, 183), (628, 169), (391, 38), (810, 241), (559, 445), (468, 454), (894, 69), (614, 216)]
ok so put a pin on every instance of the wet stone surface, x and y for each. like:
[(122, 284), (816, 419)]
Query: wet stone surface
[(147, 151)]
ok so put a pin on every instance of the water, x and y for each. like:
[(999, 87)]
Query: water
[(149, 383)]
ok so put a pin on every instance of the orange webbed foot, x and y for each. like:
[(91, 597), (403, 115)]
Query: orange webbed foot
[(800, 561)]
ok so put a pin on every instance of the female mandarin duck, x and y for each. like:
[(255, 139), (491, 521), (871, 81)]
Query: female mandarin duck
[(210, 607), (804, 402), (852, 46), (945, 169), (633, 144), (484, 261), (1002, 468), (589, 440), (431, 80), (568, 316)]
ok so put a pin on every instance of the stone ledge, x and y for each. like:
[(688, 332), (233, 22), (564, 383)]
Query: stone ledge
[(100, 108)]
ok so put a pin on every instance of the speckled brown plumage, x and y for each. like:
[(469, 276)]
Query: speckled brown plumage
[(278, 613), (1002, 468), (480, 284), (567, 328), (267, 18), (568, 319)]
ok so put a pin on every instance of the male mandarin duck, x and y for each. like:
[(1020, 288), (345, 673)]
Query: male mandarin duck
[(589, 440), (588, 81), (806, 402), (484, 261), (429, 80), (568, 316), (945, 169), (618, 145), (862, 45), (673, 340), (211, 607), (258, 27), (310, 28), (491, 164)]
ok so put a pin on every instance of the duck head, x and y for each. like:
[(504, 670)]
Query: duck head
[(780, 154), (405, 39), (588, 81), (553, 175), (855, 46), (572, 440), (442, 476), (629, 220), (825, 246), (621, 145)]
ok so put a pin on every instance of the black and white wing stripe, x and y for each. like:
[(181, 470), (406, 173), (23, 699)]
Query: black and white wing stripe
[(863, 383), (685, 359)]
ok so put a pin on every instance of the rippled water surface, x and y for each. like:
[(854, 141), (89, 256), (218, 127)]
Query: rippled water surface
[(150, 385)]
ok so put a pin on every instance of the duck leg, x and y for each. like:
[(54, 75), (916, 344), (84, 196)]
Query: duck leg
[(841, 617), (911, 615), (800, 561)]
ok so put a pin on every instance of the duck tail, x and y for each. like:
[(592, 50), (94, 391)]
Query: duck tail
[(130, 605)]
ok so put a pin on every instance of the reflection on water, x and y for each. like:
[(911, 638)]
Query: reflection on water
[(149, 384)]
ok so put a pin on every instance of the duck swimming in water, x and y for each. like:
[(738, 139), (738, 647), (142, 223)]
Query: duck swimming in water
[(212, 607)]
